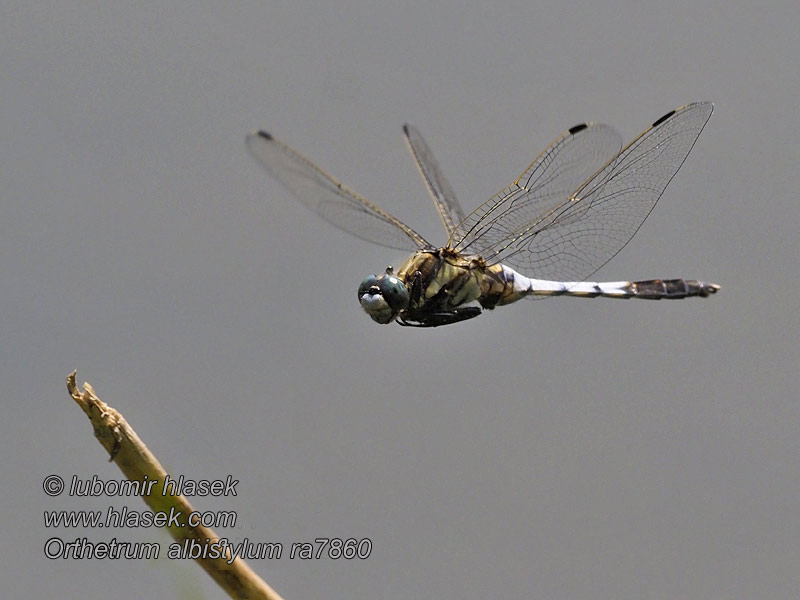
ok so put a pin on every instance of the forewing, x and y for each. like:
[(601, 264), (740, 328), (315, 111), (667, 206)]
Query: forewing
[(334, 202), (442, 193), (545, 184), (573, 239)]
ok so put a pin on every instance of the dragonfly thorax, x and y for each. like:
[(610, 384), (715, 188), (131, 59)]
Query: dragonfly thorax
[(384, 296), (429, 288)]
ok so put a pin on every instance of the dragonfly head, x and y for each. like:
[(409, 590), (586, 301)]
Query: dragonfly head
[(383, 297)]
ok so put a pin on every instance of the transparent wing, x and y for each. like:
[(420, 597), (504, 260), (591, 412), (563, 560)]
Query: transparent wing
[(442, 193), (334, 202), (558, 171), (574, 237)]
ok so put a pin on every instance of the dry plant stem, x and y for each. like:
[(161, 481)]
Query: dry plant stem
[(137, 463)]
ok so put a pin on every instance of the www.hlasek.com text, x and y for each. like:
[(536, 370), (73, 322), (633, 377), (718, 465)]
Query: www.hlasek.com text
[(124, 517)]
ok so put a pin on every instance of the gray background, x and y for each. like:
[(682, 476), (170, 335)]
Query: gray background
[(559, 449)]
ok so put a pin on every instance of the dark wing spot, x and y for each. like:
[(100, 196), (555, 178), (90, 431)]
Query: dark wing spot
[(265, 135), (577, 128), (664, 118)]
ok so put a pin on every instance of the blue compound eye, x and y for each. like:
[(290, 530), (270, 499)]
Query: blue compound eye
[(369, 282), (394, 291)]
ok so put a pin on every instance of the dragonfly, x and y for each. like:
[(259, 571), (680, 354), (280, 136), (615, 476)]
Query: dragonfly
[(570, 212)]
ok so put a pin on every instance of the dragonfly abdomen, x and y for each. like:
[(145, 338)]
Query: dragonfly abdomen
[(517, 286)]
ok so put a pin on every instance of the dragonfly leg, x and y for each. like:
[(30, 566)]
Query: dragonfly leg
[(416, 289), (442, 318)]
